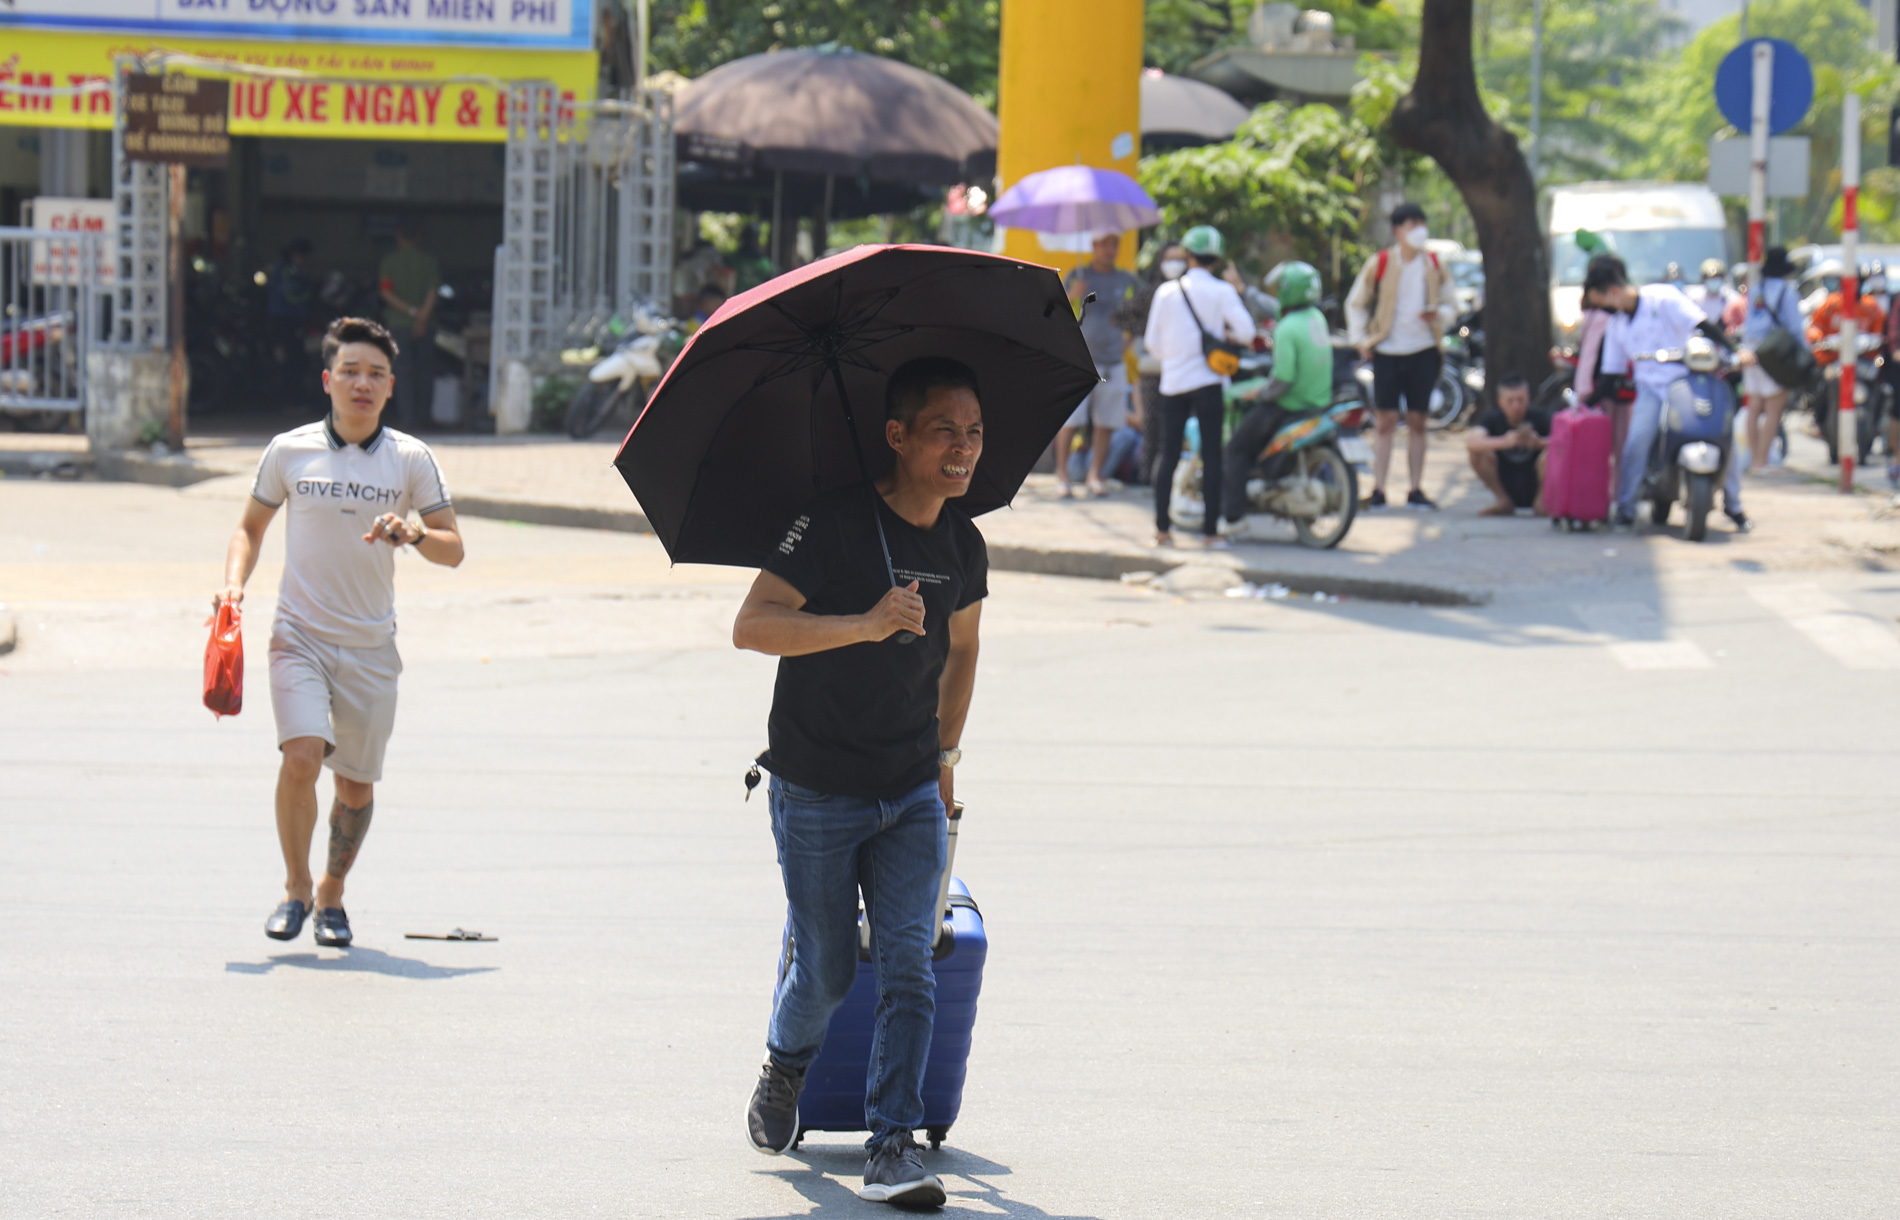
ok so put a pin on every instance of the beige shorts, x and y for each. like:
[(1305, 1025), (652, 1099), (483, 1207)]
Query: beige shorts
[(1759, 383), (347, 696), (1107, 404)]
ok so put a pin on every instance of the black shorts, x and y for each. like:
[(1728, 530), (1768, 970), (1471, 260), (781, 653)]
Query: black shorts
[(1410, 376), (1519, 480)]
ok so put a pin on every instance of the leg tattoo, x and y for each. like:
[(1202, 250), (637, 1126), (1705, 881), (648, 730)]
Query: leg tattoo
[(347, 827)]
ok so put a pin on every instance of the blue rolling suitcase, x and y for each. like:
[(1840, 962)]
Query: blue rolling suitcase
[(833, 1099)]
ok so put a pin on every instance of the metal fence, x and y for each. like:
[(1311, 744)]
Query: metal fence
[(587, 221), (52, 309)]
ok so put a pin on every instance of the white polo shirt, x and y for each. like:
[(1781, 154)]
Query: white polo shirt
[(336, 587)]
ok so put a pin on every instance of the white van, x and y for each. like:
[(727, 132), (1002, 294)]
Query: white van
[(1648, 224)]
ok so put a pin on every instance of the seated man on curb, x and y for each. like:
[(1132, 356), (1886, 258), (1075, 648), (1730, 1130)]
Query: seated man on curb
[(1507, 450)]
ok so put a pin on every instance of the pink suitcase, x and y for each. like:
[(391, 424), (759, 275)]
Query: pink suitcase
[(1577, 470)]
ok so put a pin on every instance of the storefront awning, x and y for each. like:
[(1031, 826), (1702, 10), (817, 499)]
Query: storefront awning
[(53, 78)]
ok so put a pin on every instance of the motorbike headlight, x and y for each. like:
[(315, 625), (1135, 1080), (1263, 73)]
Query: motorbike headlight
[(1474, 378), (1700, 457)]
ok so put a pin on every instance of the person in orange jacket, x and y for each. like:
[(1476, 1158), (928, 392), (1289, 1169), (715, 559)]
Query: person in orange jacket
[(1826, 322)]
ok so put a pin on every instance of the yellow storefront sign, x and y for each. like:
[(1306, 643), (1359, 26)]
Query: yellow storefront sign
[(351, 91)]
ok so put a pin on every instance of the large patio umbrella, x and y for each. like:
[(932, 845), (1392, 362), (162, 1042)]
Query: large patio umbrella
[(779, 397), (1178, 112), (834, 111)]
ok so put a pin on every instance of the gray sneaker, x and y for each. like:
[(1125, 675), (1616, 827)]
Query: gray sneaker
[(895, 1174), (772, 1118)]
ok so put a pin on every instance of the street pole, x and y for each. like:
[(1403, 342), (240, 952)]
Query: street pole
[(1846, 435), (180, 375), (639, 47), (1744, 20), (1758, 162), (1537, 88)]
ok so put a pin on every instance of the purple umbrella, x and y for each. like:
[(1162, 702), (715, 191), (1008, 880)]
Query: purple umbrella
[(1075, 199)]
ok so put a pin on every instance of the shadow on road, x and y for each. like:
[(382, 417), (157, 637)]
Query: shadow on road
[(360, 961), (963, 1176)]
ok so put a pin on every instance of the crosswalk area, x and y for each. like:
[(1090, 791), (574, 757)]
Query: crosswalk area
[(1643, 637)]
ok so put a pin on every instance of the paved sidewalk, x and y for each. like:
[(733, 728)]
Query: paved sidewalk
[(1449, 557)]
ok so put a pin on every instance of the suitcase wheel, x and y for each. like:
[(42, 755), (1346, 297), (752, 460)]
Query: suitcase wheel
[(936, 1136)]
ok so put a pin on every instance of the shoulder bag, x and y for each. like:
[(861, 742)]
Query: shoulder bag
[(1779, 353), (1222, 357)]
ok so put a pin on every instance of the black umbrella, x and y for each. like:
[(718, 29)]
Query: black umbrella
[(779, 397), (833, 110)]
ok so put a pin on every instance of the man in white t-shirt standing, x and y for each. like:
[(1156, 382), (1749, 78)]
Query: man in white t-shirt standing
[(1396, 313), (350, 485), (1184, 311)]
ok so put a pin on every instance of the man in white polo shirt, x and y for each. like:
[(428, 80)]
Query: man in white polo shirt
[(350, 485)]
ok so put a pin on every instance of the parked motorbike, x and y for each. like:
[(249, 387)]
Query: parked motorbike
[(1695, 441), (1873, 397), (1461, 378), (627, 374)]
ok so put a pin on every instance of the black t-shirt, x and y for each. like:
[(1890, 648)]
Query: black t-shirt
[(1494, 424), (1517, 466), (862, 720)]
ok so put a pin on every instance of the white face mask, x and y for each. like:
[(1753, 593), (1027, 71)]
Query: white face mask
[(1417, 236), (1712, 285), (1173, 268)]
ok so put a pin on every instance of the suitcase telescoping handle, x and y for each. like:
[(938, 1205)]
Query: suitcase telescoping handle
[(949, 866)]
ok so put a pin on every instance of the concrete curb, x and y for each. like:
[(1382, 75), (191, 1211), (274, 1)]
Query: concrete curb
[(33, 462), (536, 512), (1045, 561), (1098, 565), (172, 470), (180, 470)]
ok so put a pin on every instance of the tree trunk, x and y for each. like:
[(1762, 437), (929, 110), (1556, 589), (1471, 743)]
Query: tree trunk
[(1444, 118)]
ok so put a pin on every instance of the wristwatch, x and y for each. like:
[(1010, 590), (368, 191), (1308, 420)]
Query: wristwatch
[(422, 531), (950, 757)]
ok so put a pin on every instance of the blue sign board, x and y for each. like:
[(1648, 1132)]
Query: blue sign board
[(1790, 93)]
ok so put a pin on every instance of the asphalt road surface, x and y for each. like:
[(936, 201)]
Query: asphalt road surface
[(1579, 905)]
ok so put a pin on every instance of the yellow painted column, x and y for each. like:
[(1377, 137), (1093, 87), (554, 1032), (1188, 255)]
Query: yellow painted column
[(1068, 92)]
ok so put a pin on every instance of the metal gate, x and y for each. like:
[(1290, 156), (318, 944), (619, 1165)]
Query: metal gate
[(587, 221), (50, 315)]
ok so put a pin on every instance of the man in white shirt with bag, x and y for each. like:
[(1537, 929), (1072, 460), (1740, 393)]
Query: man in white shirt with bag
[(1187, 320), (347, 486), (1395, 315)]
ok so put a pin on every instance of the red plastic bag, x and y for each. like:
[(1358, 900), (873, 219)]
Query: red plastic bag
[(224, 661)]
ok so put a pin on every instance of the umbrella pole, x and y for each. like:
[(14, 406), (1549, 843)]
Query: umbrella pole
[(864, 471)]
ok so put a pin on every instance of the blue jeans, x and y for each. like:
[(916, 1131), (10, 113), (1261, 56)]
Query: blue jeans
[(829, 848), (1645, 421), (1123, 444)]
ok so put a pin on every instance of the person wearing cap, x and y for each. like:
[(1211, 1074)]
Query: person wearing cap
[(1774, 303), (1184, 310), (1396, 313), (1302, 382), (1106, 408)]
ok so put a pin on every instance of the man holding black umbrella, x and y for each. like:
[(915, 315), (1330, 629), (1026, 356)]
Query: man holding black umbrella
[(874, 683)]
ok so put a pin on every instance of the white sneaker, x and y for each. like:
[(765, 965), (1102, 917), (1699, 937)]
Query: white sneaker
[(1232, 529)]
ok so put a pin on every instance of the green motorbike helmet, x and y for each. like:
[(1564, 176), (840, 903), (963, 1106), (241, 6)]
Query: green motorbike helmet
[(1294, 285), (1202, 240)]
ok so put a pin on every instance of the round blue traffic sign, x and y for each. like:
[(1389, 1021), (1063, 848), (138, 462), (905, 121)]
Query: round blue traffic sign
[(1791, 92)]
